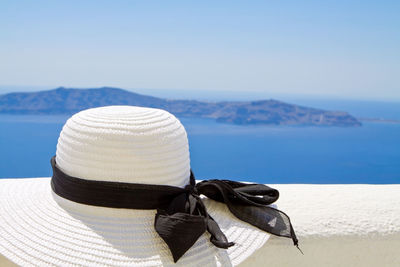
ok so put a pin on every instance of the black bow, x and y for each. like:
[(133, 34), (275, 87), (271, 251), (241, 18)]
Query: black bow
[(186, 217), (181, 216)]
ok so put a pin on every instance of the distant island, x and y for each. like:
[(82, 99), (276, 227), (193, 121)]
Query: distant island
[(269, 112), (380, 120)]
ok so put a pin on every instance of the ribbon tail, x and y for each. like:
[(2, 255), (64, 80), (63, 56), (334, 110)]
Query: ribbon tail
[(218, 238), (265, 218), (179, 231), (248, 203)]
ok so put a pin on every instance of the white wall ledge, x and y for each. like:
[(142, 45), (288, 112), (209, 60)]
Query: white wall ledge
[(337, 225), (341, 210)]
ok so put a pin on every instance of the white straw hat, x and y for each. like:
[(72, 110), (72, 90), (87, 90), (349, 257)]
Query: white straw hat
[(115, 144)]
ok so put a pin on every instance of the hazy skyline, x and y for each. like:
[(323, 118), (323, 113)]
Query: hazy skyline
[(342, 49)]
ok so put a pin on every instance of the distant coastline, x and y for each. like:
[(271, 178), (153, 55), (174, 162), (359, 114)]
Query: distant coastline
[(262, 112)]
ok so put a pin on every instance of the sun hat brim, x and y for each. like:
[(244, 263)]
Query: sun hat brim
[(37, 227)]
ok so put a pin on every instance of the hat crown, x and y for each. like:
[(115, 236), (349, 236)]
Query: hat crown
[(125, 144)]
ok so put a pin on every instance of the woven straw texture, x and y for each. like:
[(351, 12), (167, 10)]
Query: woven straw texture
[(125, 144)]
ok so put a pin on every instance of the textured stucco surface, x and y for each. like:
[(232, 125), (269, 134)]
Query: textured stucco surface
[(337, 225), (337, 210), (330, 251)]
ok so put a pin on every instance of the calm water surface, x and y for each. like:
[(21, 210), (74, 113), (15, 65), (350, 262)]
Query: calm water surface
[(367, 154)]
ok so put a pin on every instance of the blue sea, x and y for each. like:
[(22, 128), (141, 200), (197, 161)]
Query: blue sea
[(264, 154)]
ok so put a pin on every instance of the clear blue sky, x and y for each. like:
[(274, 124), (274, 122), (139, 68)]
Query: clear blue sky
[(348, 49)]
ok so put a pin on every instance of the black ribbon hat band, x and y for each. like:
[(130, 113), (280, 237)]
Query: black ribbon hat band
[(180, 211)]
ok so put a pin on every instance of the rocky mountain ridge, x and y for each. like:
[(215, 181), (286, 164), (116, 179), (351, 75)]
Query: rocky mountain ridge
[(271, 112)]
